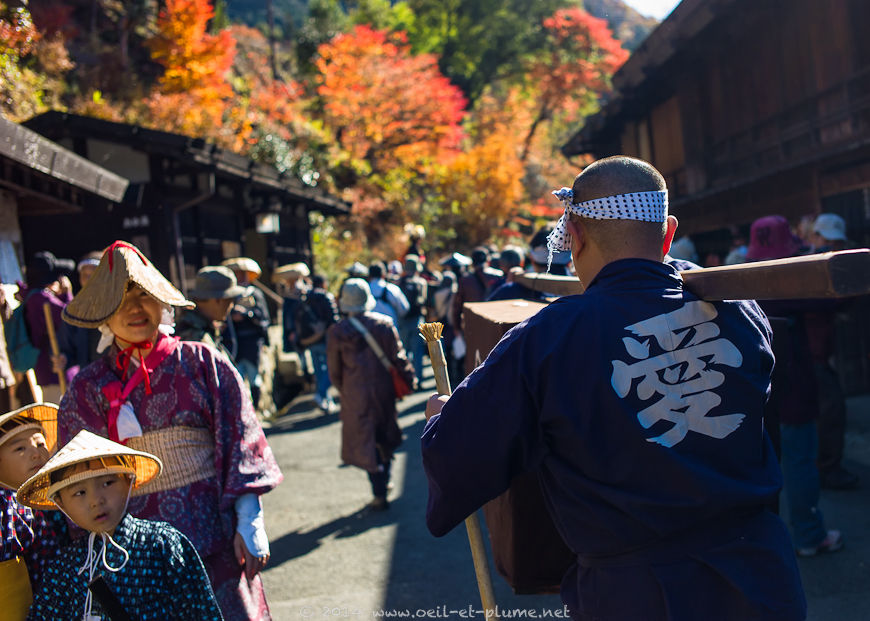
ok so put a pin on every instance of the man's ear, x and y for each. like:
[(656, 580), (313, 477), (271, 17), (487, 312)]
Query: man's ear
[(670, 231), (578, 237)]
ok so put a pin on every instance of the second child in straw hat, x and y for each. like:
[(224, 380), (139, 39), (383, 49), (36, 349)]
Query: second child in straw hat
[(187, 404), (151, 568), (30, 538)]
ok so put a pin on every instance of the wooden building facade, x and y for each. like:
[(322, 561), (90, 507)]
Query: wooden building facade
[(40, 180), (751, 108), (189, 203)]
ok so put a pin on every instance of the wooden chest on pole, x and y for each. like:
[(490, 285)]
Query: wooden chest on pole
[(527, 550)]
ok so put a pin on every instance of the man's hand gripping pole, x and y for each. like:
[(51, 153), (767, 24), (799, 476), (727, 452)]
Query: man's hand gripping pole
[(431, 333)]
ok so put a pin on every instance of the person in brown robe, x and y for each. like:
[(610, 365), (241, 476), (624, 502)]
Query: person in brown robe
[(369, 427)]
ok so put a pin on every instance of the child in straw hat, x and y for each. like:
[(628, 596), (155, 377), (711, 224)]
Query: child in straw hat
[(185, 403), (151, 569), (29, 538)]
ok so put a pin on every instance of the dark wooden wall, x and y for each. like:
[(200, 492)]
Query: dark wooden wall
[(767, 111), (768, 85)]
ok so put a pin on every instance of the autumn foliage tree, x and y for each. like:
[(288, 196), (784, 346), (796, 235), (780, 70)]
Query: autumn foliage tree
[(395, 118), (574, 70), (386, 106), (482, 186), (269, 117), (193, 93), (32, 65), (352, 106)]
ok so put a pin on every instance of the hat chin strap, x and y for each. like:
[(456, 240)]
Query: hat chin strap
[(94, 558)]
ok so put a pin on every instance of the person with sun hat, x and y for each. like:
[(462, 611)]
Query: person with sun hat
[(152, 571), (249, 323), (187, 404), (28, 436)]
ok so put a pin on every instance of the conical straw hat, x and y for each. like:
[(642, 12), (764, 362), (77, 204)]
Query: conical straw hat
[(45, 413), (122, 263), (37, 491)]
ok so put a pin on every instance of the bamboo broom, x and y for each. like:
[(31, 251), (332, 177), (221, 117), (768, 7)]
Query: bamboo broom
[(52, 338), (431, 333)]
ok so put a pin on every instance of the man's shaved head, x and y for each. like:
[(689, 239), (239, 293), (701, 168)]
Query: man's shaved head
[(615, 175), (612, 176)]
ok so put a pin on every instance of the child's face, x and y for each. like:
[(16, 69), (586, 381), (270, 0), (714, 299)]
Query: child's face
[(96, 504), (21, 456)]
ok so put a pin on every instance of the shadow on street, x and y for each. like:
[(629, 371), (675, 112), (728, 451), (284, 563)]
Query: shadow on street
[(295, 544)]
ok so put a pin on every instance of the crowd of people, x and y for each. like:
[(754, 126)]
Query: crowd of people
[(128, 371), (140, 402)]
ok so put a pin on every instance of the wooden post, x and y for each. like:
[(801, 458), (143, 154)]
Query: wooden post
[(431, 333), (52, 338)]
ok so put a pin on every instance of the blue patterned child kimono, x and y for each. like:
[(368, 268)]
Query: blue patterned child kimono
[(163, 579), (36, 536)]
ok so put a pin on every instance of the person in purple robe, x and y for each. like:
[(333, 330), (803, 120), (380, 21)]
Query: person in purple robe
[(187, 404), (47, 283)]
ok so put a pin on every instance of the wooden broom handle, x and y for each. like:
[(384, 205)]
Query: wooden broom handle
[(52, 338), (431, 333)]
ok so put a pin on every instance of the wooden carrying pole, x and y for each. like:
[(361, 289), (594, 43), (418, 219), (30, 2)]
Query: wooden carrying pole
[(826, 275), (431, 333), (52, 338)]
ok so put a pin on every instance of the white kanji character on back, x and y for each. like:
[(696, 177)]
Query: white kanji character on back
[(683, 374)]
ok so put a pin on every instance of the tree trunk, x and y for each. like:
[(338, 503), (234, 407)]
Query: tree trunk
[(543, 114), (270, 17), (124, 43)]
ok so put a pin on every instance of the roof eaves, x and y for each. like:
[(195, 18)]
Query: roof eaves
[(686, 21), (31, 149), (200, 152)]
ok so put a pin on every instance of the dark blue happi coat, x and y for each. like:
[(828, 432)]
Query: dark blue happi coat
[(640, 406), (164, 578)]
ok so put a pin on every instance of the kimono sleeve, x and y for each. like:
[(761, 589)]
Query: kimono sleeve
[(7, 524), (58, 595), (83, 406), (36, 316), (243, 459), (333, 356), (187, 582), (486, 434), (50, 535)]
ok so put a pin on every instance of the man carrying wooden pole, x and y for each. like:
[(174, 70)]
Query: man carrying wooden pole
[(640, 405)]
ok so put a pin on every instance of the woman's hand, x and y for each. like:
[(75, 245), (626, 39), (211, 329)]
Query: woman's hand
[(253, 564)]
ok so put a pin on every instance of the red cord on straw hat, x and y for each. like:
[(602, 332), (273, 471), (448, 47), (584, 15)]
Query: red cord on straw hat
[(122, 244)]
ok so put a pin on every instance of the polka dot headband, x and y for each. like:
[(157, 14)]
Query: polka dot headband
[(644, 206)]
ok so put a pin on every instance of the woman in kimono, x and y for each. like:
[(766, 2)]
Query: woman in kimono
[(358, 349), (185, 403)]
